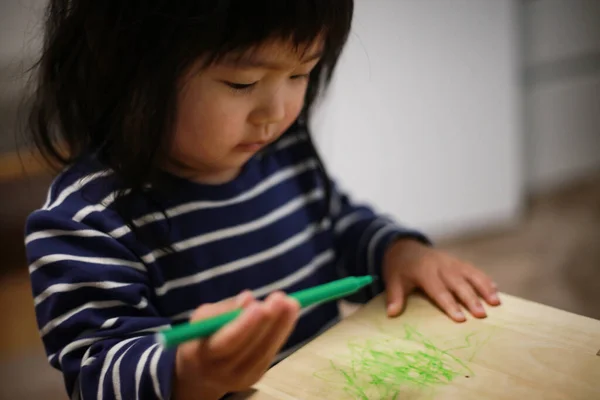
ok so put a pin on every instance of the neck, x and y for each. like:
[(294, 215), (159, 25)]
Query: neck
[(202, 175)]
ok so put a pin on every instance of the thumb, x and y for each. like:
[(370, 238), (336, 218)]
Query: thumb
[(394, 299), (212, 309)]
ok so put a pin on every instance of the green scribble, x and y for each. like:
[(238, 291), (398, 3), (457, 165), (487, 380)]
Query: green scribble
[(395, 368), (471, 344)]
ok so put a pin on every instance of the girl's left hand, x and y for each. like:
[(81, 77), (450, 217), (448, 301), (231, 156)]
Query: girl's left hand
[(409, 264)]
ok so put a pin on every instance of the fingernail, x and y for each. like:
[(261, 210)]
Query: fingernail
[(494, 297), (242, 297), (459, 315)]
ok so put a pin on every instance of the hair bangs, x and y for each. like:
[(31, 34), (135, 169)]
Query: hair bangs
[(239, 26)]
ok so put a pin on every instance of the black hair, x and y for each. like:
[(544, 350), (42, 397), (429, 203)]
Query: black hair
[(107, 80)]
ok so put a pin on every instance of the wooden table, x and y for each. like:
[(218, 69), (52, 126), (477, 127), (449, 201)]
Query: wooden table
[(522, 350)]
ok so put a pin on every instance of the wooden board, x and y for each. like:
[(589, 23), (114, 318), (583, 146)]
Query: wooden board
[(523, 350), (26, 164)]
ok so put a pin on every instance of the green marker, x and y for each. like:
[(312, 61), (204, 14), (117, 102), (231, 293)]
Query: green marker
[(319, 294)]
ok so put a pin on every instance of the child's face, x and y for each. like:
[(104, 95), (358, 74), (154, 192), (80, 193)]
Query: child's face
[(230, 110)]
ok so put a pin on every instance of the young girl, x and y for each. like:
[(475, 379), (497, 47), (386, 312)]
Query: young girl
[(189, 186)]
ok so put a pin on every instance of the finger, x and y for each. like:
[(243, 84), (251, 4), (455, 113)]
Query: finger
[(263, 354), (272, 312), (208, 310), (286, 321), (244, 299), (437, 290), (484, 285), (394, 299), (286, 313), (281, 333), (233, 337), (459, 285)]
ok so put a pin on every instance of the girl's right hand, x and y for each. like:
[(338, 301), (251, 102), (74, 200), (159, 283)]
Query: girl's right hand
[(236, 356)]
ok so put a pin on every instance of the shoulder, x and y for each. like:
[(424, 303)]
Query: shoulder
[(76, 224), (77, 190)]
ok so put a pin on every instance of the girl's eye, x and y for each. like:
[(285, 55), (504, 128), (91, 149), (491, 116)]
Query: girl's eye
[(240, 87), (246, 87), (297, 77)]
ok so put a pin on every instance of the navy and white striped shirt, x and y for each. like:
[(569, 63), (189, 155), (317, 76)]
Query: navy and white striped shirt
[(100, 293)]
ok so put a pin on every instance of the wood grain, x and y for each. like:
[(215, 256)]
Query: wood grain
[(522, 350)]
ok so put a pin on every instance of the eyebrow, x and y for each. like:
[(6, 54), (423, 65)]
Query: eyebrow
[(250, 62)]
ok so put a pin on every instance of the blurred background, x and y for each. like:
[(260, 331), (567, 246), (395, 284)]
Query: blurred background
[(475, 120)]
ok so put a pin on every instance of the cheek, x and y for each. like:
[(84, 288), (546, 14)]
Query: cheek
[(298, 103), (293, 108), (207, 127)]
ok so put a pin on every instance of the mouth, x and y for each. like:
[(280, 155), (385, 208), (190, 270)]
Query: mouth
[(251, 146)]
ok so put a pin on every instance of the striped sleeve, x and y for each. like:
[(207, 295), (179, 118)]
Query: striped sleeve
[(94, 309), (362, 238)]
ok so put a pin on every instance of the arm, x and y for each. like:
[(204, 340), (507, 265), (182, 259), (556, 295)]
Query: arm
[(362, 239), (94, 309)]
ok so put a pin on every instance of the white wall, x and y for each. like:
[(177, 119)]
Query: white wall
[(563, 90), (423, 119)]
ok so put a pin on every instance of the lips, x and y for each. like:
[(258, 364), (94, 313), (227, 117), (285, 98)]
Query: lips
[(254, 143), (251, 146)]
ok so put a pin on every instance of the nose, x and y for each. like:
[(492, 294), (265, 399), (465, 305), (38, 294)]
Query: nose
[(271, 110)]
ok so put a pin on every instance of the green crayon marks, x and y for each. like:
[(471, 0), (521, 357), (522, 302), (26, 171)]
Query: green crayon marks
[(389, 368)]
